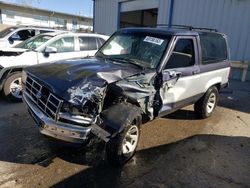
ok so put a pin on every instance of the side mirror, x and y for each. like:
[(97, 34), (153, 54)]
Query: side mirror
[(170, 78), (48, 50), (11, 40)]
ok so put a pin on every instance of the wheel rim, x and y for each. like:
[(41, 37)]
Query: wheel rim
[(130, 141), (16, 88), (211, 102)]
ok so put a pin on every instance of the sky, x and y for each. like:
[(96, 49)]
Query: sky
[(77, 7)]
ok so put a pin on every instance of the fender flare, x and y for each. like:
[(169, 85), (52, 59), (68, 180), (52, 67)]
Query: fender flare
[(115, 119), (5, 71)]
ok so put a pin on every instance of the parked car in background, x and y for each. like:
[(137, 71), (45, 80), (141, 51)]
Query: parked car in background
[(137, 75), (44, 48), (12, 36)]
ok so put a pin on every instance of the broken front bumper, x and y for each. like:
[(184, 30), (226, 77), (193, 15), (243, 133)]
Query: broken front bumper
[(59, 130)]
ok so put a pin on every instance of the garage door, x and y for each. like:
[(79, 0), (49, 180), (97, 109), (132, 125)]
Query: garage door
[(139, 5)]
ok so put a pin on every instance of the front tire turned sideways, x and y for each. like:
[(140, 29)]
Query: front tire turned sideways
[(206, 105), (122, 147)]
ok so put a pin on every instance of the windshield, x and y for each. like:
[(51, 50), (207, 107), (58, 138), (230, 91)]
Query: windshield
[(143, 49), (34, 42), (7, 31)]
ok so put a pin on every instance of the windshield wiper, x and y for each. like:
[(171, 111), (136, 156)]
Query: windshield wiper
[(130, 61)]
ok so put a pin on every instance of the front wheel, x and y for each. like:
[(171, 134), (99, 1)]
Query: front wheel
[(13, 87), (122, 147), (205, 106)]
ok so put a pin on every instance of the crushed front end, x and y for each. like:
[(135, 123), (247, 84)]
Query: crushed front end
[(51, 115)]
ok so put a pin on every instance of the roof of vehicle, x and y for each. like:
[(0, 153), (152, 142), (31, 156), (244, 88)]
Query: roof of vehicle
[(165, 30), (31, 27), (55, 33)]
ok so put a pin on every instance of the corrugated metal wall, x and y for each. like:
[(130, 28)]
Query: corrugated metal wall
[(228, 16), (105, 16)]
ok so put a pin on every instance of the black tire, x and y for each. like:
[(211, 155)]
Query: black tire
[(200, 107), (6, 87), (114, 150)]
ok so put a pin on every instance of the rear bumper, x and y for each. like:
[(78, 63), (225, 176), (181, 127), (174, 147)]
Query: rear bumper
[(52, 128)]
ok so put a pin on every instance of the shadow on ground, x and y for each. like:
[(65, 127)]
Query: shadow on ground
[(183, 114), (199, 161), (236, 97)]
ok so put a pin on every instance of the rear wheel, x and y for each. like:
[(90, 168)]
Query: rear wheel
[(205, 106), (122, 147), (13, 87)]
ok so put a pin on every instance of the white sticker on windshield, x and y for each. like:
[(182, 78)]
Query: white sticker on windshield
[(153, 40)]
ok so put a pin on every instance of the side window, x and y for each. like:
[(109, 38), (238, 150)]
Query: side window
[(183, 55), (66, 44), (88, 43), (92, 43), (83, 42), (23, 34), (100, 42), (213, 47)]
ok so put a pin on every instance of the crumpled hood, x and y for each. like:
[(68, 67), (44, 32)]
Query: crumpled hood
[(64, 76), (11, 51)]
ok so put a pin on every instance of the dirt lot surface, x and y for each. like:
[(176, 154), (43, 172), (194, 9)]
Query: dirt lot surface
[(179, 150)]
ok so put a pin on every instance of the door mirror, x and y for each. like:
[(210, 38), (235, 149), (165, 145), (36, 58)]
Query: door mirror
[(11, 40), (48, 50), (170, 78)]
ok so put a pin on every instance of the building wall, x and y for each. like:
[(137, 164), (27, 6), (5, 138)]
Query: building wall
[(228, 16), (106, 16), (13, 15), (107, 12)]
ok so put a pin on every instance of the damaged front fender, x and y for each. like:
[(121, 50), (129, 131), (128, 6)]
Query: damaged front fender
[(115, 119)]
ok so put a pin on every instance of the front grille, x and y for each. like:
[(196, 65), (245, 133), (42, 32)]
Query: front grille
[(43, 98)]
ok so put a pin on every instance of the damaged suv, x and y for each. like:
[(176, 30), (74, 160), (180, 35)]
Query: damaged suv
[(137, 75)]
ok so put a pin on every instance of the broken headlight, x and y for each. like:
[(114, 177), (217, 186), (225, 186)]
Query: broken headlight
[(89, 109), (74, 115)]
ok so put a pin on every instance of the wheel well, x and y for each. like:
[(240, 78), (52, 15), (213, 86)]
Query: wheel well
[(218, 86), (7, 72), (114, 95)]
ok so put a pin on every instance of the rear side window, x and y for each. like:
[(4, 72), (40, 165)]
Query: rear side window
[(83, 42), (213, 47), (88, 43), (92, 43)]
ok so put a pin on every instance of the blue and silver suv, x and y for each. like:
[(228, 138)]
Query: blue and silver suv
[(137, 75)]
